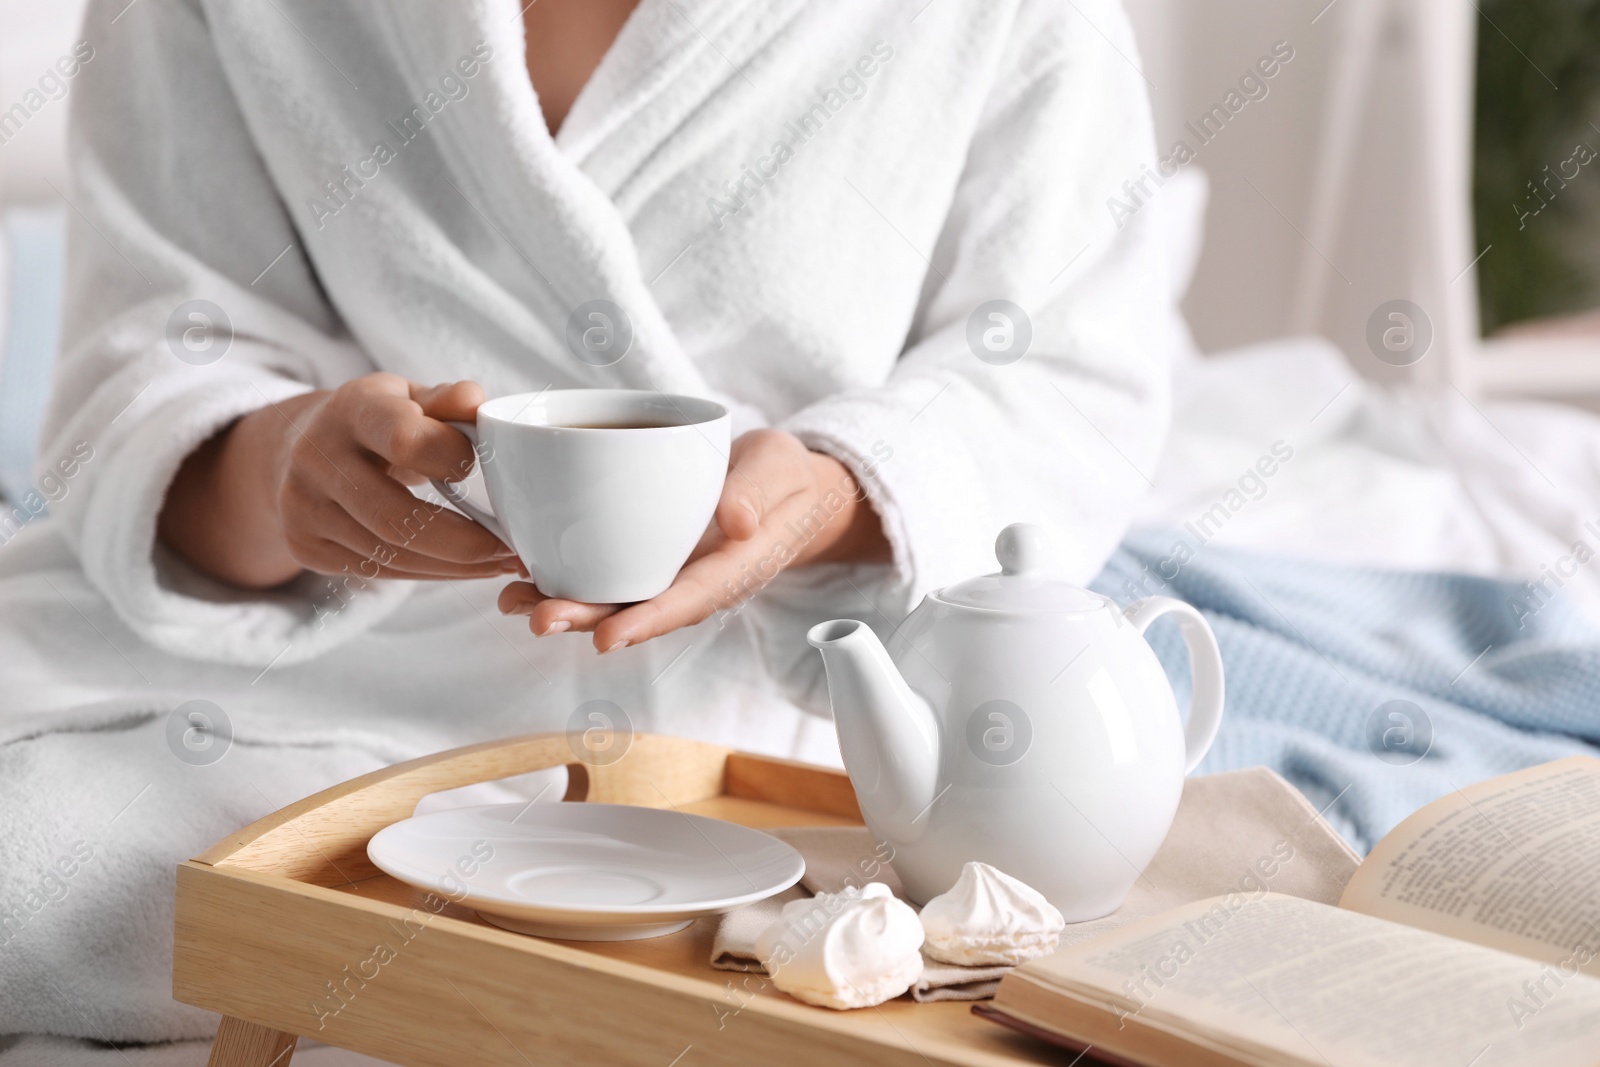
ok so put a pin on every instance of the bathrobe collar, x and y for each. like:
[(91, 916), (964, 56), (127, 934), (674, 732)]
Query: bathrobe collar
[(653, 46), (531, 189)]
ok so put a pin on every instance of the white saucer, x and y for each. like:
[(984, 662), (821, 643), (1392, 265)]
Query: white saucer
[(586, 872)]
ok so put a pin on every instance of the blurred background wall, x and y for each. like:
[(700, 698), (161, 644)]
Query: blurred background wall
[(33, 35), (1346, 186)]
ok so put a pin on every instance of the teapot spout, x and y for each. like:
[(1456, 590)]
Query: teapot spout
[(887, 733)]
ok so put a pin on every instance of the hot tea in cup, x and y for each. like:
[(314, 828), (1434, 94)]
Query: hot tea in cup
[(602, 493)]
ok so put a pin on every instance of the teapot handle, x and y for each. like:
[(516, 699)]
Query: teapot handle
[(1205, 668)]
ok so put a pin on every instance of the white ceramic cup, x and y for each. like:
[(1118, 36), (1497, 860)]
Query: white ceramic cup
[(597, 513)]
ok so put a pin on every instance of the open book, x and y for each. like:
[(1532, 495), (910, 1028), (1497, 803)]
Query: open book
[(1470, 937)]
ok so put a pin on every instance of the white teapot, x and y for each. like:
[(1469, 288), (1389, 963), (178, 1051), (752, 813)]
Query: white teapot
[(1024, 722)]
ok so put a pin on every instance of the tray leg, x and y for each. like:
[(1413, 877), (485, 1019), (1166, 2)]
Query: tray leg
[(242, 1044)]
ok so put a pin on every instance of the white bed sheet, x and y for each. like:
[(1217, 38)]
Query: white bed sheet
[(1406, 479)]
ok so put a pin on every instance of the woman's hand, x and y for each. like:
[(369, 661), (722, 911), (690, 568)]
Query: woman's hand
[(782, 506), (318, 483)]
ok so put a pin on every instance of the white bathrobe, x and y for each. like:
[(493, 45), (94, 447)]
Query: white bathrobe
[(800, 208)]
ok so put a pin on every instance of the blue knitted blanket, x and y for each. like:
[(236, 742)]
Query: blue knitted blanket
[(1373, 691)]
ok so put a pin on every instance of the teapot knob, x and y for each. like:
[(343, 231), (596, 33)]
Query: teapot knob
[(1022, 548)]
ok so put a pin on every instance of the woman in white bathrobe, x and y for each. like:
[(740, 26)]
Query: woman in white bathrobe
[(297, 223)]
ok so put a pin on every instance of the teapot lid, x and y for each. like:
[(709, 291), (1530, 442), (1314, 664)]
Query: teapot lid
[(1024, 583)]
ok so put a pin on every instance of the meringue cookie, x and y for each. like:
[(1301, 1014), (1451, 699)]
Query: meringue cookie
[(851, 949), (989, 917)]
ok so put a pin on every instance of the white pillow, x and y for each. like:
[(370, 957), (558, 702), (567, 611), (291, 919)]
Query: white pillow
[(34, 240), (1183, 201), (1178, 211)]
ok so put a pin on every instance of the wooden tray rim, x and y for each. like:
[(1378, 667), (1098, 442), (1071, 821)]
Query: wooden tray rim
[(279, 860)]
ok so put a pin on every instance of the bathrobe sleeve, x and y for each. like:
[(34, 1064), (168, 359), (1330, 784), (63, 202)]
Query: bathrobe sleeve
[(952, 447), (189, 303)]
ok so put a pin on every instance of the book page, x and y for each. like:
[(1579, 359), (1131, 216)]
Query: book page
[(1279, 980), (1512, 863)]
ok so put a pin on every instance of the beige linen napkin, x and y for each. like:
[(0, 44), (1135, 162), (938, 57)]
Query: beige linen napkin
[(1239, 831), (1232, 833)]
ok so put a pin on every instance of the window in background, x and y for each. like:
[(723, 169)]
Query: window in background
[(1536, 182)]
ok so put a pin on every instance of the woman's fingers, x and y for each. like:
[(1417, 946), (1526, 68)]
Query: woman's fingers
[(339, 538), (451, 402), (760, 479), (335, 561), (387, 419), (615, 626), (685, 604), (342, 504), (394, 515), (719, 580), (737, 516), (549, 615)]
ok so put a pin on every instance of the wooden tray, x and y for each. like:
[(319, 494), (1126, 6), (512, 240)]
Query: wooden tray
[(287, 929)]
